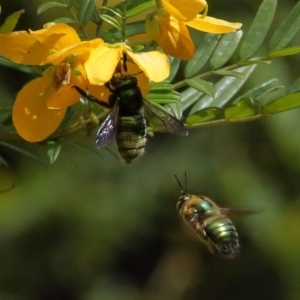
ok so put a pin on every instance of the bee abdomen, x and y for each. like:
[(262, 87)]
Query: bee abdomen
[(131, 138), (224, 236)]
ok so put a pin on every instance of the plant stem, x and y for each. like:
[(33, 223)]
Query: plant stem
[(182, 83), (124, 18), (99, 25)]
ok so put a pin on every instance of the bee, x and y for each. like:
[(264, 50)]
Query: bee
[(126, 123), (210, 222)]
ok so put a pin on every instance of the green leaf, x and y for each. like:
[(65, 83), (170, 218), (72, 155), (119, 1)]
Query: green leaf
[(258, 30), (284, 52), (135, 28), (158, 86), (139, 9), (5, 109), (163, 98), (23, 68), (11, 21), (189, 96), (201, 85), (225, 89), (110, 20), (204, 50), (245, 108), (65, 20), (7, 181), (254, 62), (294, 87), (161, 108), (225, 48), (137, 48), (46, 5), (53, 150), (287, 102), (113, 10), (203, 115), (229, 73), (3, 162), (85, 10), (259, 90), (176, 109), (163, 93), (287, 30), (22, 151), (109, 37), (174, 64)]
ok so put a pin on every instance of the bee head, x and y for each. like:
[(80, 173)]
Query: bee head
[(182, 199), (120, 81)]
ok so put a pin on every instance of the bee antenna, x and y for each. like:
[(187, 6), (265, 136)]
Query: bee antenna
[(136, 73), (183, 190), (124, 62), (185, 181)]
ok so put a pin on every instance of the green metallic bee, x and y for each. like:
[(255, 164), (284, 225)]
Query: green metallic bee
[(210, 222), (126, 123)]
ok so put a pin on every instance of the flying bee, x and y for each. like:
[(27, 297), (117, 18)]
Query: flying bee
[(210, 222), (126, 123)]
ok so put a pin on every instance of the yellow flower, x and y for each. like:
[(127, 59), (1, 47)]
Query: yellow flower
[(103, 60), (182, 11), (167, 26), (41, 105), (171, 34), (212, 25)]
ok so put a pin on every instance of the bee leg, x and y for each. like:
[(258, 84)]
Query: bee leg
[(90, 97)]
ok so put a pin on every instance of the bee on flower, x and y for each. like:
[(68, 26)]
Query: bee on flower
[(41, 104)]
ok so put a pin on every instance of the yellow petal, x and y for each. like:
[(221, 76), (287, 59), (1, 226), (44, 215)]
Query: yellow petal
[(34, 47), (174, 37), (183, 11), (102, 62), (32, 119), (67, 36), (23, 48), (154, 64), (75, 49), (212, 25), (66, 95)]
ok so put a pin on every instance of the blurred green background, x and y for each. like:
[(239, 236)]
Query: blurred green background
[(90, 227)]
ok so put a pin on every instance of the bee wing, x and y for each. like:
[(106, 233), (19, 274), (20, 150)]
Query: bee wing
[(231, 211), (160, 118), (108, 129)]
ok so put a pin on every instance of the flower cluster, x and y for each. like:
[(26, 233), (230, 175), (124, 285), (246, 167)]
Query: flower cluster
[(41, 105), (168, 26)]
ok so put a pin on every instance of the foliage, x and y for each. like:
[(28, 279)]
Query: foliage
[(210, 87), (90, 228)]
